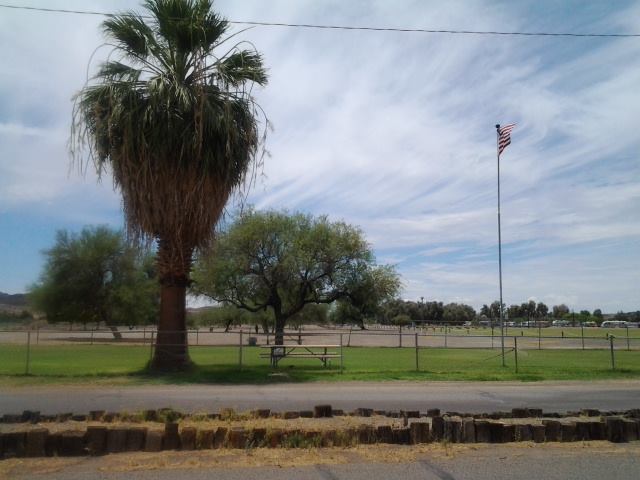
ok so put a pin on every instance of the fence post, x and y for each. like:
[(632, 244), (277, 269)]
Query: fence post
[(93, 330), (240, 351), (26, 371), (445, 336), (341, 354), (400, 335), (539, 336), (515, 351), (613, 358), (417, 365), (582, 332), (300, 334), (151, 346), (628, 347), (198, 336), (37, 335), (491, 334)]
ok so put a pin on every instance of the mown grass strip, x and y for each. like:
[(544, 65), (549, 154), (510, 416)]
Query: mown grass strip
[(127, 364)]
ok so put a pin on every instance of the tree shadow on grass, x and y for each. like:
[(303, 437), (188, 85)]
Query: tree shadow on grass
[(233, 375)]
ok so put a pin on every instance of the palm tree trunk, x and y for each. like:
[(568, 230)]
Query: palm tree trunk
[(171, 349)]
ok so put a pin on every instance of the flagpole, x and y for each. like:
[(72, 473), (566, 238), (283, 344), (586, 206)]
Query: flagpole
[(500, 246)]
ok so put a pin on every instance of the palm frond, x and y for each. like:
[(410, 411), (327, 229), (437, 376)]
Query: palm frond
[(241, 67), (131, 33), (117, 71), (174, 124)]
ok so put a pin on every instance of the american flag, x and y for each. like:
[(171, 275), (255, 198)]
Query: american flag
[(504, 136)]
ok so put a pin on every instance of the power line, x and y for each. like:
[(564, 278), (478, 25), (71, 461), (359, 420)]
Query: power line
[(346, 27)]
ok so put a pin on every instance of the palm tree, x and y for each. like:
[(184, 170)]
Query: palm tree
[(171, 115)]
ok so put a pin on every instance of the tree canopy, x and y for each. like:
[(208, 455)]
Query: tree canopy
[(282, 262), (96, 277), (560, 311), (171, 115)]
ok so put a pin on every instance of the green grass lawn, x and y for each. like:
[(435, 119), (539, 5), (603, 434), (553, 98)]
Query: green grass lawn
[(109, 364), (567, 332)]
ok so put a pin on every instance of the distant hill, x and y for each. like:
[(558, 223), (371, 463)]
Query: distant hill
[(15, 300)]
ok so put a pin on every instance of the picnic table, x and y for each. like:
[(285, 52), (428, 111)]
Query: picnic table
[(321, 352)]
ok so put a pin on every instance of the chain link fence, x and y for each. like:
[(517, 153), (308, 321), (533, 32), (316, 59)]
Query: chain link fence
[(45, 351)]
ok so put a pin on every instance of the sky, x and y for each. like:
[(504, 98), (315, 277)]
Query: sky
[(393, 132)]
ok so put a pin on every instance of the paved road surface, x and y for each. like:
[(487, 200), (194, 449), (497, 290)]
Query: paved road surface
[(471, 397), (611, 462)]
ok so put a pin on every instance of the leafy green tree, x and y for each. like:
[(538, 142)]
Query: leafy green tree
[(311, 314), (541, 310), (514, 311), (346, 313), (367, 293), (401, 320), (492, 311), (391, 309), (430, 312), (620, 316), (433, 312), (96, 277), (171, 116), (527, 310), (218, 316), (282, 262), (9, 316), (598, 314), (458, 313), (560, 311)]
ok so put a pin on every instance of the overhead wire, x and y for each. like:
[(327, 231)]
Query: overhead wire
[(349, 27)]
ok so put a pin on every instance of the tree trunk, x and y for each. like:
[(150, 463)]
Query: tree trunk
[(114, 331), (228, 325), (171, 351), (279, 331), (265, 326)]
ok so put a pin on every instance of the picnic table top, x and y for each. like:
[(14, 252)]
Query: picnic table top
[(295, 345)]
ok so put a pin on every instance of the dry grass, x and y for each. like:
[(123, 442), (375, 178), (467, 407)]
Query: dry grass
[(238, 420), (279, 457)]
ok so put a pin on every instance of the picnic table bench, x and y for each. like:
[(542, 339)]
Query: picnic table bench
[(321, 352)]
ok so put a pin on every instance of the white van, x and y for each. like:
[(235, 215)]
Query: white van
[(613, 324)]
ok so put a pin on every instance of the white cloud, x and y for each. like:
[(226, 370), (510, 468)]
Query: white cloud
[(394, 132)]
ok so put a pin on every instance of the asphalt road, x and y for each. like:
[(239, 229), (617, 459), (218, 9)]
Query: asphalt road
[(473, 397), (493, 462)]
